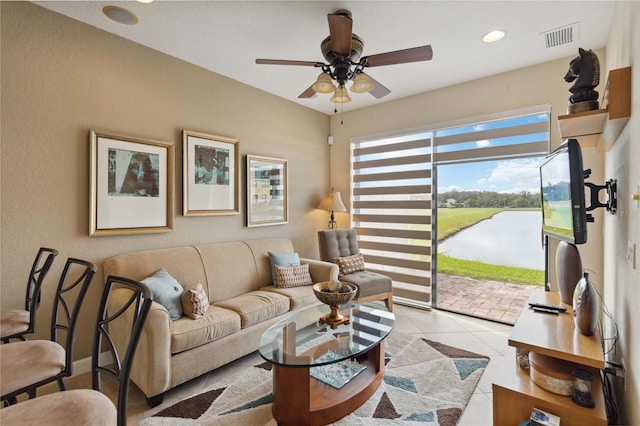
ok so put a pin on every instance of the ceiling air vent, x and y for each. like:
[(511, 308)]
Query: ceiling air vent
[(562, 35)]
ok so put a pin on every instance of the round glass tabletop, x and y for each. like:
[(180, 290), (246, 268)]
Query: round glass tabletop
[(301, 340)]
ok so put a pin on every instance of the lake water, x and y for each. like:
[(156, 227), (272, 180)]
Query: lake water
[(511, 238)]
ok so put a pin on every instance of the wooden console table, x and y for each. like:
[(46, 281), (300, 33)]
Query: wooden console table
[(515, 395)]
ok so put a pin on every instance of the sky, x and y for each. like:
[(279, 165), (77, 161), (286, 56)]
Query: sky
[(508, 176)]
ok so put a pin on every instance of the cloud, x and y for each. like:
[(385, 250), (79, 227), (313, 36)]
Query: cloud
[(483, 143), (512, 176), (516, 175)]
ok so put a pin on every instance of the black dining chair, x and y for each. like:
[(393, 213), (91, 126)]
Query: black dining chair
[(16, 323), (90, 406), (25, 366)]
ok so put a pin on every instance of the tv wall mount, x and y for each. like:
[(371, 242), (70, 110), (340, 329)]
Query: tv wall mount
[(611, 188)]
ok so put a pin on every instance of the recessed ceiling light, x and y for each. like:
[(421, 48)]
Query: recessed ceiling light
[(120, 15), (145, 1), (493, 36)]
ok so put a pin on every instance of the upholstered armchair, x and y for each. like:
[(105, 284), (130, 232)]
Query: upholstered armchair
[(340, 246)]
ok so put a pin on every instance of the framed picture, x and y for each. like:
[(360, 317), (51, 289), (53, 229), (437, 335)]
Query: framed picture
[(209, 175), (266, 191), (131, 185)]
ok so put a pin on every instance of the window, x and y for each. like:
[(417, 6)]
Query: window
[(393, 187)]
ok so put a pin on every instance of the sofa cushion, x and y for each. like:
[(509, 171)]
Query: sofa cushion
[(293, 276), (349, 264), (213, 325), (299, 297), (282, 259), (256, 306), (195, 302), (166, 291)]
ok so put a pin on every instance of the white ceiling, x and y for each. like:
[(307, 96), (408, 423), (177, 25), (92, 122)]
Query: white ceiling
[(227, 36)]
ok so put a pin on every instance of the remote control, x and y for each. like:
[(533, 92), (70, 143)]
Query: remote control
[(545, 306), (548, 311)]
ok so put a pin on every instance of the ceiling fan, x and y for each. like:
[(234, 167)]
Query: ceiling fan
[(343, 49)]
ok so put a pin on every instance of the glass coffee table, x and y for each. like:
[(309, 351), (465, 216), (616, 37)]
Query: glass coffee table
[(322, 374)]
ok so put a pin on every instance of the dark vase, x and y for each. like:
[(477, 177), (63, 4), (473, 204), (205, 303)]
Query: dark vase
[(585, 306), (568, 270)]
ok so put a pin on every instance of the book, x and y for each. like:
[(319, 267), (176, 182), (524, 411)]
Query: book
[(542, 418)]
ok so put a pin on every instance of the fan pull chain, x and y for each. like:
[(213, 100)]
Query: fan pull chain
[(335, 111)]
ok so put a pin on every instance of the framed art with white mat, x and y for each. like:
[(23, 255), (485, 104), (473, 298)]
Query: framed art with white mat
[(210, 175), (131, 185)]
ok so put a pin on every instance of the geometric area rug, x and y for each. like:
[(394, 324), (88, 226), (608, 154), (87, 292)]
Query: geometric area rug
[(425, 383)]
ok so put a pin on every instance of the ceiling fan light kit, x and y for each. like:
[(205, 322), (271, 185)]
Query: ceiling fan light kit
[(323, 84), (342, 49), (340, 96), (361, 83)]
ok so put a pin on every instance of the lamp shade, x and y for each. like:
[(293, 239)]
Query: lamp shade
[(341, 96), (323, 84), (361, 84), (332, 202)]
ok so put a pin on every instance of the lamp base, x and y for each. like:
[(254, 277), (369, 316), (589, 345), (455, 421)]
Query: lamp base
[(332, 222)]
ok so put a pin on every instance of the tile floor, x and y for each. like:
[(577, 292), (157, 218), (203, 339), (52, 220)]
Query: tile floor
[(481, 336)]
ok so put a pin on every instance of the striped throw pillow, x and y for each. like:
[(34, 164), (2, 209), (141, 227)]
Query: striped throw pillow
[(293, 276), (195, 302), (349, 264)]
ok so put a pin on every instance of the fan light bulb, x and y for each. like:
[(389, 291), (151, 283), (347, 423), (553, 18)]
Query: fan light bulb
[(323, 84), (361, 84), (340, 96)]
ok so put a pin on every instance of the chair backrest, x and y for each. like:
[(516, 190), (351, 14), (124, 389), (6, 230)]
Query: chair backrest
[(74, 283), (136, 304), (337, 243), (39, 269)]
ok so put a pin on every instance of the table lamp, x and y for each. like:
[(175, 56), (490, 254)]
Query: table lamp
[(332, 202)]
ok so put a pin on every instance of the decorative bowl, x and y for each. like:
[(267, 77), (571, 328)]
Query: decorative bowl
[(334, 293)]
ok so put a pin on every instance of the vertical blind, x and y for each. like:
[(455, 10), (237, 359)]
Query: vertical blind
[(391, 203), (392, 188)]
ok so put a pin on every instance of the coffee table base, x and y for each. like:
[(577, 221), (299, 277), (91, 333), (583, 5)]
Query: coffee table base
[(299, 399)]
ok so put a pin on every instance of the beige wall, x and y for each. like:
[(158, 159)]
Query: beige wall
[(61, 78), (621, 281)]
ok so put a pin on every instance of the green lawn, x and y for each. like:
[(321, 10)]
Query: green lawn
[(451, 221), (470, 268)]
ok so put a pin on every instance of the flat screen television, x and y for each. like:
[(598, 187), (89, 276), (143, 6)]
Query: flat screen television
[(562, 190)]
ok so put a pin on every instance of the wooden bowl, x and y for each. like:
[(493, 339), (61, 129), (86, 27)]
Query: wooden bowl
[(334, 293)]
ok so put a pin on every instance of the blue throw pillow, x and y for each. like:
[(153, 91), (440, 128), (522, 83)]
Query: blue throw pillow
[(166, 291), (281, 259)]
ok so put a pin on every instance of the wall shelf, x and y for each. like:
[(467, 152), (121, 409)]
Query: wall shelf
[(601, 128)]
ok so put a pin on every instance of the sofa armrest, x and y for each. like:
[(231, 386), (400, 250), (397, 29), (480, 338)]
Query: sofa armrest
[(321, 271), (151, 370)]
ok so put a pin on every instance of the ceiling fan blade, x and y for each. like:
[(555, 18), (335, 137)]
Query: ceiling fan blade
[(414, 54), (378, 91), (309, 93), (340, 26), (285, 62)]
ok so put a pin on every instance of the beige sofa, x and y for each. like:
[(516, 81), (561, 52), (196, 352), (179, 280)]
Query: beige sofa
[(243, 304)]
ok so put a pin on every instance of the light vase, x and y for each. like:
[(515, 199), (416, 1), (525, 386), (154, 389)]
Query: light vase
[(585, 306)]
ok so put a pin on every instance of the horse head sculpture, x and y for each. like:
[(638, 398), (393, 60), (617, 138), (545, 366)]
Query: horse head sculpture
[(585, 71)]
